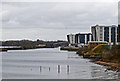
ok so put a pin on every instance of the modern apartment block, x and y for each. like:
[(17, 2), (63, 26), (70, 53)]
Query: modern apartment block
[(80, 39), (109, 34), (83, 38), (105, 33), (71, 38)]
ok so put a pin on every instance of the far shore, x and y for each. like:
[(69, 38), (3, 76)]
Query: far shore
[(23, 48)]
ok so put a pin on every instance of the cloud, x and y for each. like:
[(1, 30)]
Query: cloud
[(51, 15), (58, 15), (61, 0), (119, 13)]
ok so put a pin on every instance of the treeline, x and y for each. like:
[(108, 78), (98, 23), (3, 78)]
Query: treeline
[(34, 44)]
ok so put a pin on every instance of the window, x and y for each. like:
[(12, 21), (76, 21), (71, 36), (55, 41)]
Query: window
[(100, 30), (101, 34)]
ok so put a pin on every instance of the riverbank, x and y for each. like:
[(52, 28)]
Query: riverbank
[(70, 48), (6, 48), (100, 54), (111, 66), (3, 50)]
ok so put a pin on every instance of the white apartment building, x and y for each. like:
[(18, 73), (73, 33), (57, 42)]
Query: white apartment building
[(105, 33), (71, 38)]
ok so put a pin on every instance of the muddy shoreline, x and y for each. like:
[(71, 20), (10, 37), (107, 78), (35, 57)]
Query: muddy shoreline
[(111, 66)]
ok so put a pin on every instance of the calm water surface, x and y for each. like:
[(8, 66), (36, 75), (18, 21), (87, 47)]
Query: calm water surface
[(51, 63)]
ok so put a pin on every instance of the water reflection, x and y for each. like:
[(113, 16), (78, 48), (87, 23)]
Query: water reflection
[(58, 68), (40, 68), (68, 69), (49, 68)]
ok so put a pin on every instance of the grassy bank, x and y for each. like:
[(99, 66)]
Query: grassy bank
[(103, 55), (69, 48)]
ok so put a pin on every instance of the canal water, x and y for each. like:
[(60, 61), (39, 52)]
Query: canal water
[(51, 63)]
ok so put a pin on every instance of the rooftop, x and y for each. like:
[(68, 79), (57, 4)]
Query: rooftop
[(104, 26)]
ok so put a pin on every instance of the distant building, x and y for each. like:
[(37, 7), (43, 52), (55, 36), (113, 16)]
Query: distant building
[(82, 38), (119, 33), (71, 38), (105, 33)]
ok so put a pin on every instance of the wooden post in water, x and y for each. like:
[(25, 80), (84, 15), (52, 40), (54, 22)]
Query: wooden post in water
[(40, 68), (68, 68), (49, 68), (58, 68)]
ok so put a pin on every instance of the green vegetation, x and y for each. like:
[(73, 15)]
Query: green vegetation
[(81, 51), (28, 47), (69, 48), (111, 55), (104, 53), (95, 52), (100, 52), (31, 44)]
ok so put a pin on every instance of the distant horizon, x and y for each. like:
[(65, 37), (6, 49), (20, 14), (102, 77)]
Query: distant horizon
[(30, 40)]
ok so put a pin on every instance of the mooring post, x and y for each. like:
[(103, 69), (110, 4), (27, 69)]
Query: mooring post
[(40, 68), (49, 68), (68, 68), (58, 68)]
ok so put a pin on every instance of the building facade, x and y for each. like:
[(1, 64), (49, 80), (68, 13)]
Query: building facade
[(83, 38), (80, 39), (105, 33), (71, 38), (119, 34)]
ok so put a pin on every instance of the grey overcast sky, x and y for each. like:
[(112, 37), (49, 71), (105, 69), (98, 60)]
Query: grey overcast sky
[(119, 12), (54, 20)]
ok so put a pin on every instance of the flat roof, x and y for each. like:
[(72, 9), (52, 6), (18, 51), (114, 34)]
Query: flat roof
[(104, 26), (84, 33)]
